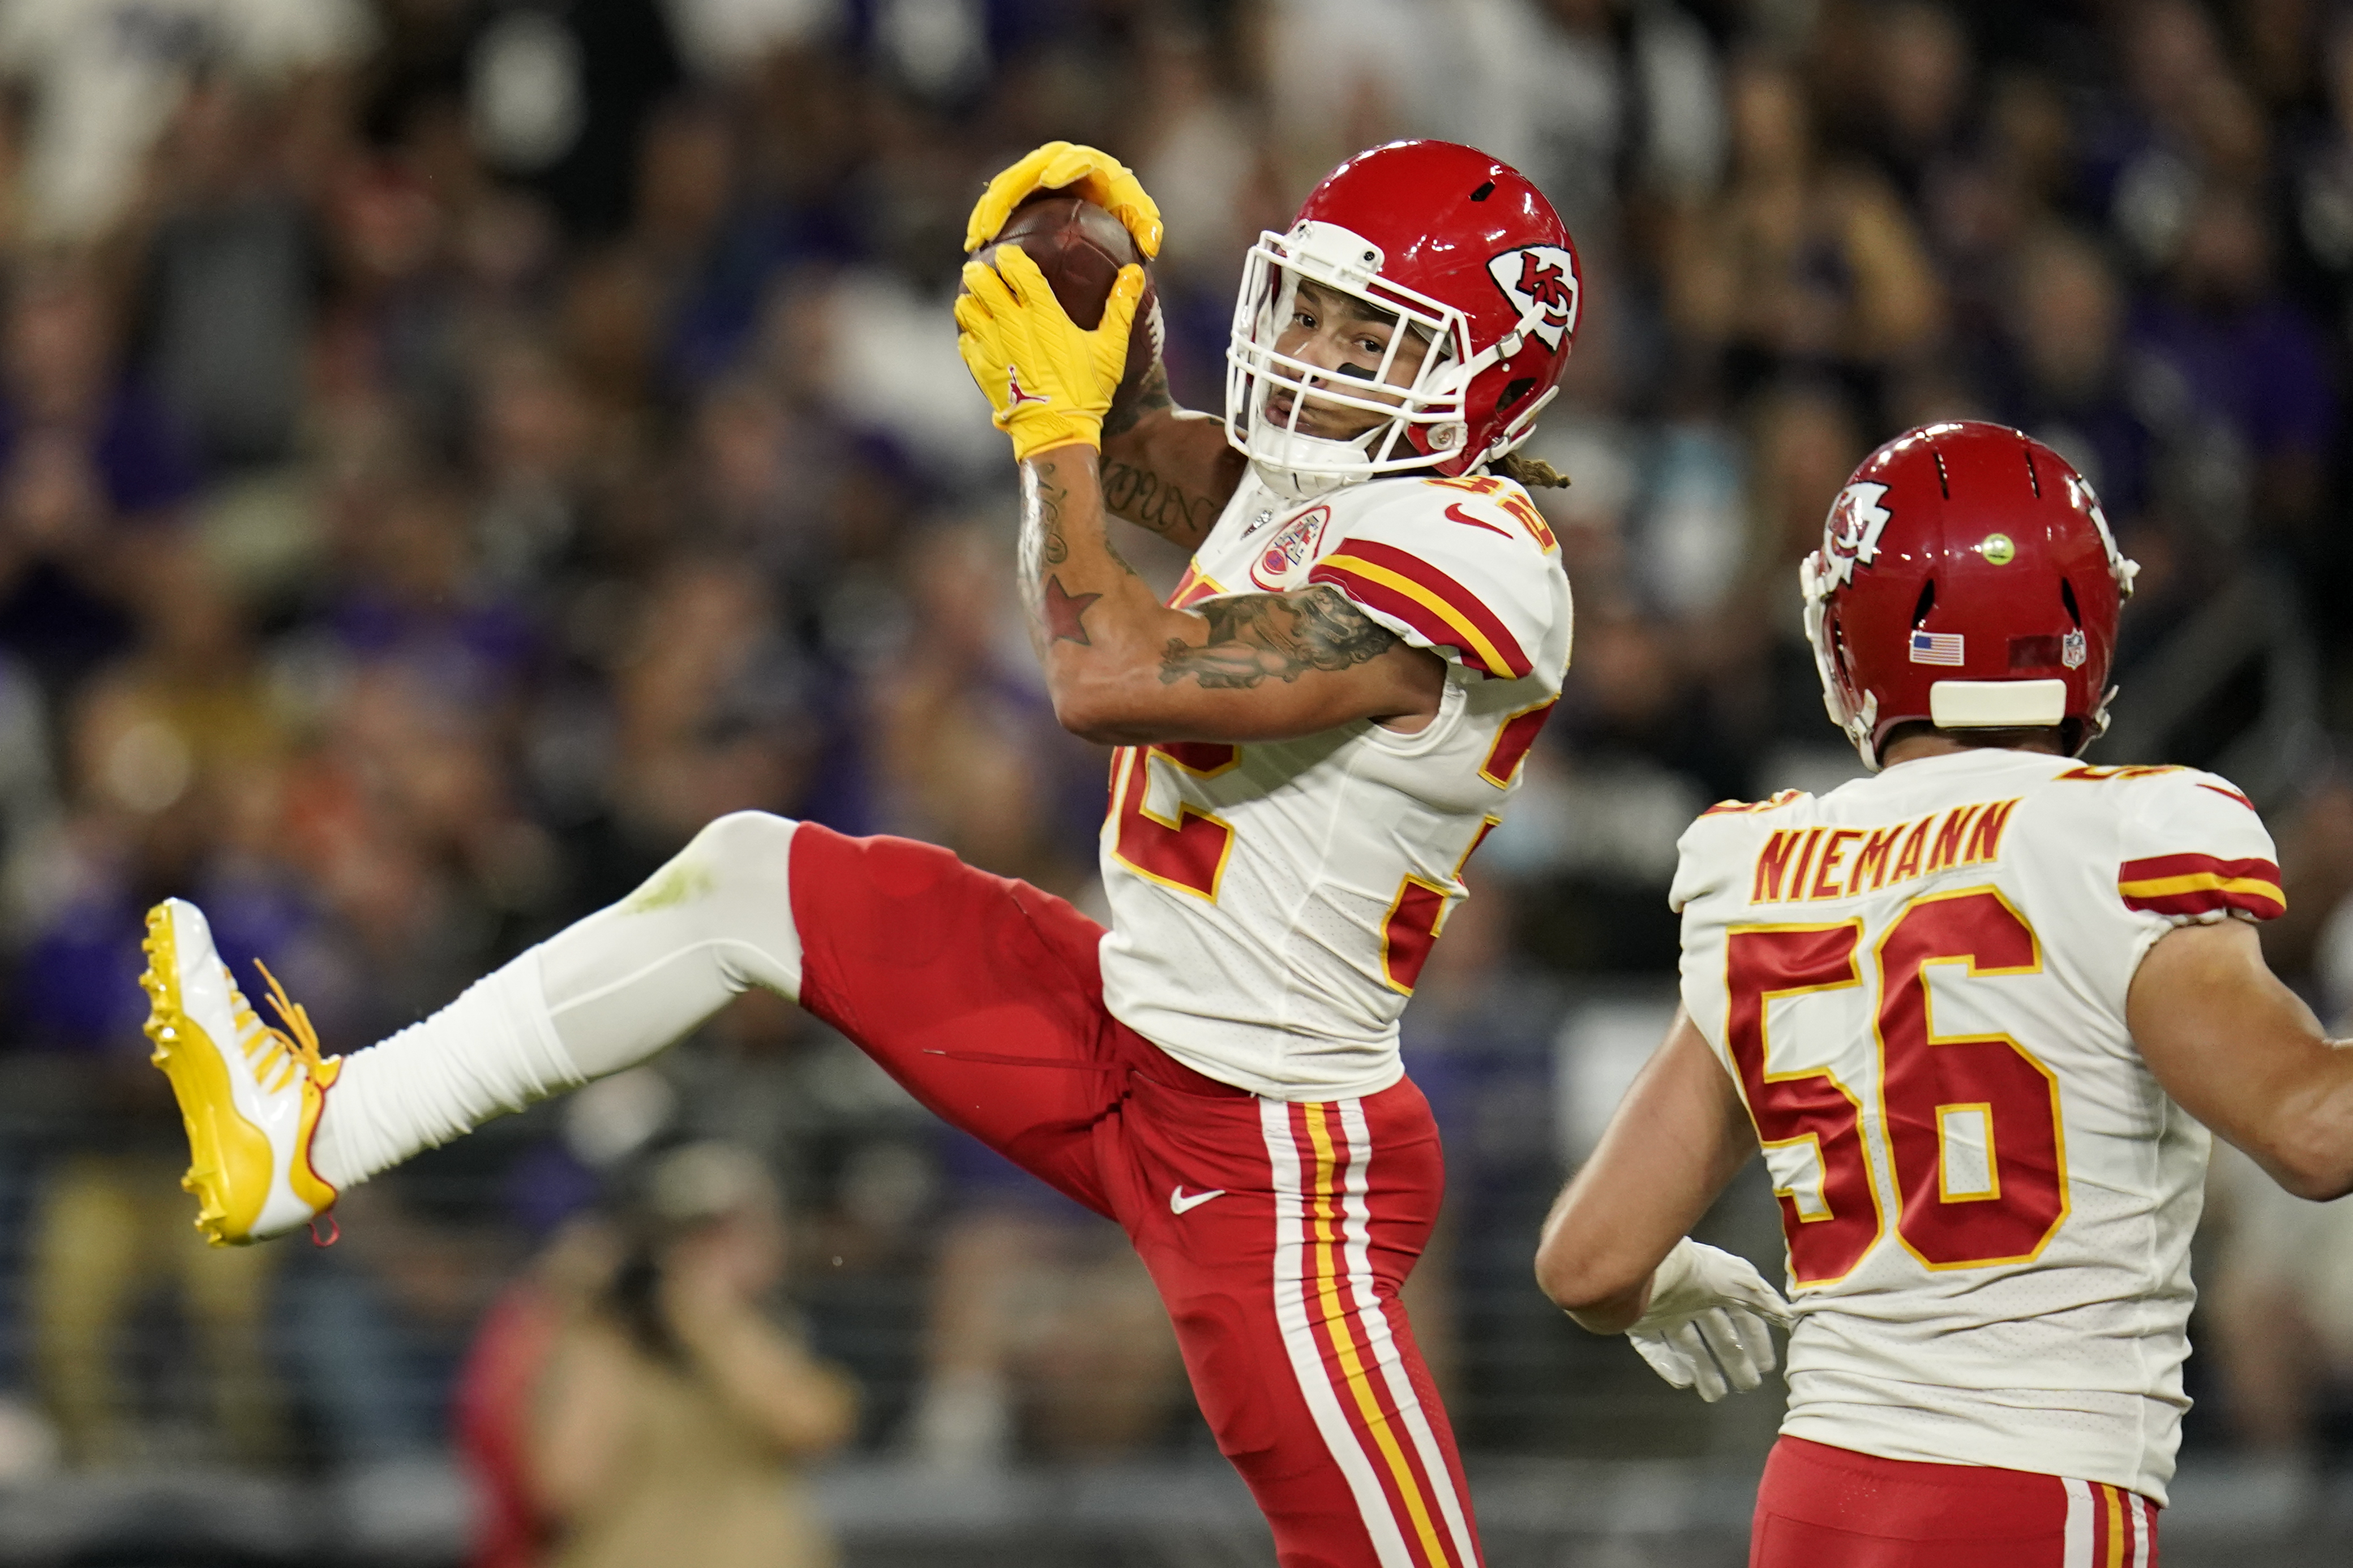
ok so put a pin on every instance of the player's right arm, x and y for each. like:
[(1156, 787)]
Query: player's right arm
[(1165, 469), (2241, 1052), (1673, 1145), (1614, 1253)]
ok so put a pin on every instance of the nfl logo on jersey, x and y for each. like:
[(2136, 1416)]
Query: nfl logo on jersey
[(1936, 647)]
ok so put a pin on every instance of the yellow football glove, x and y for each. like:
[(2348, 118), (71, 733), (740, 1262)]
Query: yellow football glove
[(1062, 165), (1048, 380)]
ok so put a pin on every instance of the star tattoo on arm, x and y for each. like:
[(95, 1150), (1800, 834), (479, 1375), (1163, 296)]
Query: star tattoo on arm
[(1064, 612)]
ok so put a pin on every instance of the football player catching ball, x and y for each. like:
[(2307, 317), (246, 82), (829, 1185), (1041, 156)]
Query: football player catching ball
[(1314, 736), (1979, 1011)]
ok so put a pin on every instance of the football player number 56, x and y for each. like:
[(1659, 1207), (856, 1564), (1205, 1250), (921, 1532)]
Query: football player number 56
[(1970, 1123)]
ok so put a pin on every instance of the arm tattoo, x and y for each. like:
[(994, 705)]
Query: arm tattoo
[(1065, 614), (1255, 635), (1140, 496), (1053, 547), (1152, 393), (1044, 545)]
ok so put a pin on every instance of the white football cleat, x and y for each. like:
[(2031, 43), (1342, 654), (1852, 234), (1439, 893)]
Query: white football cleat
[(249, 1093)]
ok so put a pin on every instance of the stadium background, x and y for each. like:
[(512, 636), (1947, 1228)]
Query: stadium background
[(451, 448)]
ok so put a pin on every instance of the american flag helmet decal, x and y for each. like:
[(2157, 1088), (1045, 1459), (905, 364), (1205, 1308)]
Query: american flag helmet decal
[(1936, 647)]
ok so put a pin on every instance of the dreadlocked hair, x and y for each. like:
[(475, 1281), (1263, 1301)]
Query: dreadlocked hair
[(1532, 473)]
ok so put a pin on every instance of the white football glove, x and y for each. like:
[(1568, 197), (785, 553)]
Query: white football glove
[(1707, 1322)]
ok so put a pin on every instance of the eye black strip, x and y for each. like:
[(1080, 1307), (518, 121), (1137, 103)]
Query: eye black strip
[(1483, 192)]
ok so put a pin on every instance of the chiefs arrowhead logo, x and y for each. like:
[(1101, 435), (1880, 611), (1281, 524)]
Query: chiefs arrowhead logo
[(1851, 536), (1540, 276)]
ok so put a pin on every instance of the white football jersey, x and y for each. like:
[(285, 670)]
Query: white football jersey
[(1918, 982), (1272, 903)]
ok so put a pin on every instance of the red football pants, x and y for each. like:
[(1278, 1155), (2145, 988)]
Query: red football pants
[(1820, 1507), (984, 997)]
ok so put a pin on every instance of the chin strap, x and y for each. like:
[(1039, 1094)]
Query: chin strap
[(1507, 345), (2096, 723), (1494, 354)]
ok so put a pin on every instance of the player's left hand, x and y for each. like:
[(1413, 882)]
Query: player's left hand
[(1706, 1324), (1049, 381), (1083, 170)]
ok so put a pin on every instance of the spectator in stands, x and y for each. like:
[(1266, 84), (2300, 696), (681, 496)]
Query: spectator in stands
[(1803, 262), (105, 81), (2239, 381), (92, 466), (2059, 372), (673, 1414)]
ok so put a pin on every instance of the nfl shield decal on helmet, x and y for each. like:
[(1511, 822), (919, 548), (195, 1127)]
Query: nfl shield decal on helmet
[(1851, 537), (1540, 276)]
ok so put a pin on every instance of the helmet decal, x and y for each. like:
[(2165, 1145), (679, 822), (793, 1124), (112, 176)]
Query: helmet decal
[(1540, 280), (1938, 647), (1851, 537)]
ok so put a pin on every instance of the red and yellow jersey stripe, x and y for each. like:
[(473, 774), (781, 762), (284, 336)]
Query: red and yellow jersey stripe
[(2202, 884), (1404, 587), (1512, 744), (1737, 807), (1193, 587)]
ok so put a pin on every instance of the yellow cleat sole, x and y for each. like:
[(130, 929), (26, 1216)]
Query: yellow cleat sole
[(221, 1143)]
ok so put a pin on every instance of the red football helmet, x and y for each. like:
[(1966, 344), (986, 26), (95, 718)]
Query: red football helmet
[(1966, 577), (1458, 246)]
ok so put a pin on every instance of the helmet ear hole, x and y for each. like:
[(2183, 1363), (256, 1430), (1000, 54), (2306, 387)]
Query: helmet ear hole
[(1927, 602), (2067, 597)]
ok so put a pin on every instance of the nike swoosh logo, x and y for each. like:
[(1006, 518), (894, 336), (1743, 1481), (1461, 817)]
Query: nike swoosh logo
[(1456, 514), (1178, 1203)]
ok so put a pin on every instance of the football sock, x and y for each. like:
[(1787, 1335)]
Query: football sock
[(603, 994), (492, 1051)]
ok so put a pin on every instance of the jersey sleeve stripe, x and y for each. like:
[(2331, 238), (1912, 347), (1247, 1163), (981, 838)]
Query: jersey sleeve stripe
[(1193, 587), (1738, 807), (2202, 884), (1378, 589), (1433, 603)]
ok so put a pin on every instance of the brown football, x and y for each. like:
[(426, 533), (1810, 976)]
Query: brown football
[(1080, 248)]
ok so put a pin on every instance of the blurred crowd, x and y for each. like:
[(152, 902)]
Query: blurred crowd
[(450, 449)]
